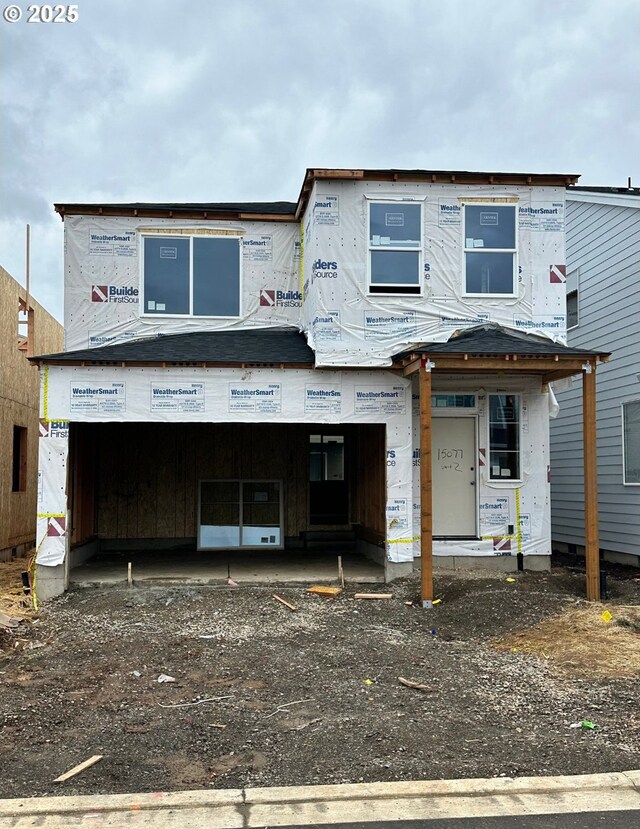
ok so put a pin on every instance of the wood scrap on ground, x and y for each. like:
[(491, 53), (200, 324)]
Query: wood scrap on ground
[(373, 596), (324, 590), (418, 686), (80, 767), (291, 607)]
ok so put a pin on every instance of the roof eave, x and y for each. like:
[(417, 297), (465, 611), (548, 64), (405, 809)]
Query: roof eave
[(150, 212), (432, 177)]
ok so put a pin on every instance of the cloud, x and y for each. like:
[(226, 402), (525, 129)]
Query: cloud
[(201, 101)]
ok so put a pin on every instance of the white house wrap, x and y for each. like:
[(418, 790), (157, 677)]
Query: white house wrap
[(287, 330)]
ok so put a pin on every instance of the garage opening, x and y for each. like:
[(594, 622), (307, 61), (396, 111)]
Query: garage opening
[(213, 501)]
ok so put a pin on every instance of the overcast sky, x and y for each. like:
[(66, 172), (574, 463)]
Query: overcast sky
[(205, 100)]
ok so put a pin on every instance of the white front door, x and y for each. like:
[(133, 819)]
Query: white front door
[(454, 476)]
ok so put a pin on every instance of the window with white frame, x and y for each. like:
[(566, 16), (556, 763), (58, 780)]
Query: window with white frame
[(395, 247), (631, 441), (490, 234), (504, 437), (196, 276)]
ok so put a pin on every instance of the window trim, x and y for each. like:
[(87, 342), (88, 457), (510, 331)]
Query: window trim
[(624, 465), (514, 250), (191, 234), (391, 289), (490, 476)]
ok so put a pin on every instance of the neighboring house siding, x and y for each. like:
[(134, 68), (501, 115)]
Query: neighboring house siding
[(603, 245), (19, 390)]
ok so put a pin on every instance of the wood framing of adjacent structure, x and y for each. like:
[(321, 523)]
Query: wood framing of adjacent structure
[(19, 392)]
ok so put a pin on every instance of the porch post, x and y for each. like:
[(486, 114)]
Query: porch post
[(591, 540), (426, 515)]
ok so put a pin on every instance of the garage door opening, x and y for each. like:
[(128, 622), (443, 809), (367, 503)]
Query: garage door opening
[(213, 501)]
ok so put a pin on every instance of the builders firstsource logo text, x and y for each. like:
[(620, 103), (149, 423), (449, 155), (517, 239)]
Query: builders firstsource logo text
[(280, 299), (114, 293)]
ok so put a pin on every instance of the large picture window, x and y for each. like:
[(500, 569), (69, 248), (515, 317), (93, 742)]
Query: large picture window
[(504, 437), (490, 249), (195, 276), (631, 441), (395, 247)]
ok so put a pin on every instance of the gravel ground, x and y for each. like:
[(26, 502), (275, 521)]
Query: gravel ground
[(306, 697)]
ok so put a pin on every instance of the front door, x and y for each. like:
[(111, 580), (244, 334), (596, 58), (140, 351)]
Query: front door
[(454, 476)]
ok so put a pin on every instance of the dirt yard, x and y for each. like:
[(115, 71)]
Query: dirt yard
[(266, 696)]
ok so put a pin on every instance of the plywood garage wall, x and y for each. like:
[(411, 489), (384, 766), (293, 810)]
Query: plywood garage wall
[(19, 390), (141, 480), (370, 493)]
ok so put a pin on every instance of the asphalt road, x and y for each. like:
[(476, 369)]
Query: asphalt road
[(582, 820)]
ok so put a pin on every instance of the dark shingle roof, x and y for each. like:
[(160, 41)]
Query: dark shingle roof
[(616, 191), (494, 339), (183, 209), (265, 346)]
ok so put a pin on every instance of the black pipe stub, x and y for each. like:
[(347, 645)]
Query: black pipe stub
[(603, 583)]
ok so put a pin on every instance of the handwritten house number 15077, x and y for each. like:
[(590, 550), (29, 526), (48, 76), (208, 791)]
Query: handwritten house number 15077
[(444, 454), (450, 455)]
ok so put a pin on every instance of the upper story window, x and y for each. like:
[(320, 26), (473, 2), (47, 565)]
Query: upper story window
[(395, 247), (490, 249), (197, 276)]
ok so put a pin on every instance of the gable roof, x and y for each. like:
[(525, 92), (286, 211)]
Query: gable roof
[(259, 347), (494, 339)]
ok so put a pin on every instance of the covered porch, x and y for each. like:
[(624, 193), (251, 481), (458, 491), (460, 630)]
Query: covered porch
[(491, 349)]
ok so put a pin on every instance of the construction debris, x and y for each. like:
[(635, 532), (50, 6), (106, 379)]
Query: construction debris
[(16, 598), (291, 607), (81, 767), (324, 590), (8, 621), (417, 685), (373, 596)]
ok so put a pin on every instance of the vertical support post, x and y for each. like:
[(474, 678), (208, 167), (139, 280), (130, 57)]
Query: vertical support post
[(426, 514), (591, 539)]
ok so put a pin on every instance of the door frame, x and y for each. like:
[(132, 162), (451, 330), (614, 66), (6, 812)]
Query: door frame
[(332, 429), (471, 413)]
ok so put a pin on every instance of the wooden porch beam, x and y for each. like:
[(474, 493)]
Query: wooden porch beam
[(448, 362), (591, 539), (426, 509), (412, 367)]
